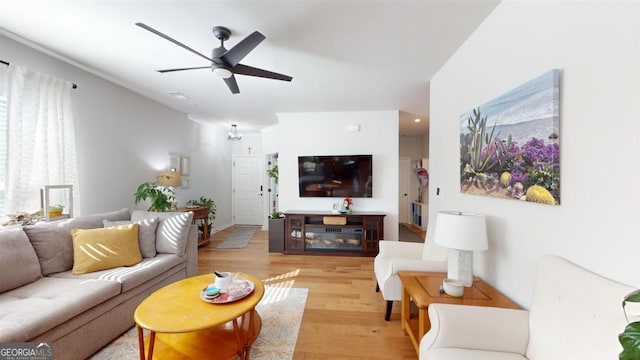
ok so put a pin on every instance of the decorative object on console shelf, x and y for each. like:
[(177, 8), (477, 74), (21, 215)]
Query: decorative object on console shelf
[(347, 205), (461, 233)]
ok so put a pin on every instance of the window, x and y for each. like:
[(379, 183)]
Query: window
[(37, 140)]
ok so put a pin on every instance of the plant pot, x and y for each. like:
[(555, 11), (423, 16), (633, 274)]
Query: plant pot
[(276, 235)]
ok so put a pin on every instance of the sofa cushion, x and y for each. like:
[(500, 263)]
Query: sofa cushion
[(18, 260), (105, 248), (173, 230), (52, 240), (133, 276), (35, 308), (146, 234), (575, 313)]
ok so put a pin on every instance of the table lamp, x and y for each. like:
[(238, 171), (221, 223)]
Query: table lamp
[(169, 178), (462, 233)]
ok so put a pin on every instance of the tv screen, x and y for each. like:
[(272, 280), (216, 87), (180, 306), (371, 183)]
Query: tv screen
[(335, 176)]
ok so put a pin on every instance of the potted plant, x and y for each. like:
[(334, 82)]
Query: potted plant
[(55, 210), (162, 198), (630, 337), (273, 173), (276, 231), (203, 201)]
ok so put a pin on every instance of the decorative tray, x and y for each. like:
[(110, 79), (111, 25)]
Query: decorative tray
[(238, 289)]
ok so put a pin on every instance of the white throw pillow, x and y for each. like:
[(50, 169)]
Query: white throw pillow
[(172, 232)]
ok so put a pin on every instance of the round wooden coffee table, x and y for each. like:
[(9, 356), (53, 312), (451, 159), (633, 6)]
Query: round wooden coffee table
[(183, 326)]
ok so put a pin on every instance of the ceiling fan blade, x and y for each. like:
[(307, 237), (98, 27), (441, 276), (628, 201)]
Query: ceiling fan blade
[(181, 69), (234, 55), (232, 84), (252, 71), (149, 28)]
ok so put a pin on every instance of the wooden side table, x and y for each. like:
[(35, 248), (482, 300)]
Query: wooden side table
[(200, 213), (423, 288)]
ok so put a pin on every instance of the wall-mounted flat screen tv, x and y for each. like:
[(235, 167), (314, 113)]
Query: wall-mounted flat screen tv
[(335, 176)]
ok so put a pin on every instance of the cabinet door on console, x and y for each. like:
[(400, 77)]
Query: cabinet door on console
[(295, 233), (373, 232)]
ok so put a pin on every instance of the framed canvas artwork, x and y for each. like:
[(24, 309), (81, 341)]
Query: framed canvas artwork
[(510, 146)]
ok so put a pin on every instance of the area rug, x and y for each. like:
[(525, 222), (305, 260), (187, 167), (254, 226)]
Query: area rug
[(239, 238), (281, 310)]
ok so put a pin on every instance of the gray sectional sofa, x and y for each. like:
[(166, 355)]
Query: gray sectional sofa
[(42, 300)]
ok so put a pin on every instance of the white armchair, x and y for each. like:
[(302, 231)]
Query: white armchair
[(395, 256), (575, 314)]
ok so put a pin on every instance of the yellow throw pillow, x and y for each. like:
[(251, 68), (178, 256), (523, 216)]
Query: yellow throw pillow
[(105, 248)]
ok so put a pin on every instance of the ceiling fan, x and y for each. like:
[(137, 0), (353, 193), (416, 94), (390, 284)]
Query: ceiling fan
[(225, 63)]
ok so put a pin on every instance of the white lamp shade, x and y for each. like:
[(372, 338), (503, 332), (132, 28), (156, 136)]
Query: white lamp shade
[(461, 231)]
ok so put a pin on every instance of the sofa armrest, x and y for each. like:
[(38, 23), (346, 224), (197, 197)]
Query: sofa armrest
[(402, 264), (476, 327), (192, 251), (400, 249)]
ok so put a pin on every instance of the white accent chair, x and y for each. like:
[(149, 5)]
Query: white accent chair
[(575, 314), (394, 256)]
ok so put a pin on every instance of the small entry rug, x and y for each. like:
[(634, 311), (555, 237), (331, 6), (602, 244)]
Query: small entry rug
[(239, 238), (281, 310)]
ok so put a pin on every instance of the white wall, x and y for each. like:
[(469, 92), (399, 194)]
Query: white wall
[(597, 47), (326, 134), (124, 139)]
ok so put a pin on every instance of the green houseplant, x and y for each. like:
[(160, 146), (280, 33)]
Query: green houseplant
[(162, 198), (630, 337), (273, 173), (203, 201)]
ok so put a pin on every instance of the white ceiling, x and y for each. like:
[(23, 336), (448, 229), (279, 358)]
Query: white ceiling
[(350, 55)]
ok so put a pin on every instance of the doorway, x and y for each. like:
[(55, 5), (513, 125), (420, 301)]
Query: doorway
[(247, 190)]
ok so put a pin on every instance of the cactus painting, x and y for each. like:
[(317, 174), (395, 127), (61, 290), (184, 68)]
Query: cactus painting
[(512, 144)]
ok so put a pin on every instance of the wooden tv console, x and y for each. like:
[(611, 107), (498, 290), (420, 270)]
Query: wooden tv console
[(317, 233)]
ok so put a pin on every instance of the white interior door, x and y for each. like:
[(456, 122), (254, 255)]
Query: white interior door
[(403, 192), (247, 190)]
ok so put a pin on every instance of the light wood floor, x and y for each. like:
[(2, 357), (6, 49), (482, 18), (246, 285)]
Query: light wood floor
[(343, 317)]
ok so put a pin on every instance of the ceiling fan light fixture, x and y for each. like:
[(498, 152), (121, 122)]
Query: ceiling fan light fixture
[(222, 73), (234, 135)]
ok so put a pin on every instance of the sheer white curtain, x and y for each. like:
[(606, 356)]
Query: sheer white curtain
[(40, 139)]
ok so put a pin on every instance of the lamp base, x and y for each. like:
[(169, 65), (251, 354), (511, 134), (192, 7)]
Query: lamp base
[(460, 266)]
